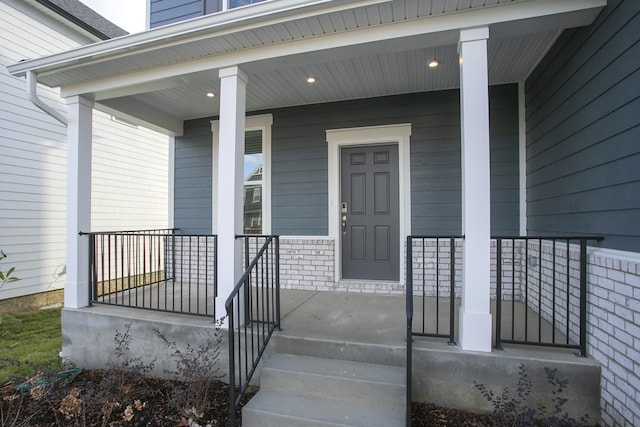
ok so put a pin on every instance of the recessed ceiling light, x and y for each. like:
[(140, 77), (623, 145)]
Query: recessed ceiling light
[(311, 80), (433, 63), (210, 94)]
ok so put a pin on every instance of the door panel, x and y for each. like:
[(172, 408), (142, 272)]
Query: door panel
[(381, 193), (358, 243), (382, 244), (358, 194), (370, 225)]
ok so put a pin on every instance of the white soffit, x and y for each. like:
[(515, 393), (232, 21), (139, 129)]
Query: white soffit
[(356, 49)]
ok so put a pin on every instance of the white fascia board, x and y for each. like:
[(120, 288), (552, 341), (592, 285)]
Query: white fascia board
[(230, 21)]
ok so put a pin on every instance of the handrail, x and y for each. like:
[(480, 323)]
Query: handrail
[(149, 231), (254, 304)]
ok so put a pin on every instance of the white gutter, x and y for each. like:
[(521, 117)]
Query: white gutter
[(32, 92)]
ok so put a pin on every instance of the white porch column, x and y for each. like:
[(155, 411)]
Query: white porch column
[(475, 317), (233, 84), (79, 139)]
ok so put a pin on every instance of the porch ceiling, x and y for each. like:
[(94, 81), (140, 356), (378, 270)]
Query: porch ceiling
[(354, 48)]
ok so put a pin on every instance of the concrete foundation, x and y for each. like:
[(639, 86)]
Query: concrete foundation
[(32, 302), (363, 328)]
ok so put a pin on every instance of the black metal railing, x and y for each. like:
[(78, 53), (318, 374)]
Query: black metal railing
[(154, 270), (431, 280), (253, 313), (541, 291)]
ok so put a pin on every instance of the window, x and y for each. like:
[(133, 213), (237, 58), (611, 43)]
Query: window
[(237, 3), (256, 175), (253, 166), (213, 6)]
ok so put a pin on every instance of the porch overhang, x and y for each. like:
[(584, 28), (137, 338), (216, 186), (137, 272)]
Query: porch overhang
[(355, 48)]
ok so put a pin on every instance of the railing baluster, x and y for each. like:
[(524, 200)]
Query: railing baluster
[(498, 293), (568, 291), (513, 288), (526, 289), (583, 298), (438, 286), (452, 290), (553, 287), (540, 310), (424, 286), (409, 309)]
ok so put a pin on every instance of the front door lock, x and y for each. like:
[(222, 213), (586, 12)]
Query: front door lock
[(343, 210)]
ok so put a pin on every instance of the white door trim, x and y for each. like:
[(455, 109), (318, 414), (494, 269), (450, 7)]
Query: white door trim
[(399, 134)]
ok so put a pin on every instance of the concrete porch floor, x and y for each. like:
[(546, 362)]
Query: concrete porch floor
[(372, 328), (360, 327), (381, 319)]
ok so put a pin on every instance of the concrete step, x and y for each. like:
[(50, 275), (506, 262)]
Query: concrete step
[(379, 354), (309, 391), (273, 409), (335, 379)]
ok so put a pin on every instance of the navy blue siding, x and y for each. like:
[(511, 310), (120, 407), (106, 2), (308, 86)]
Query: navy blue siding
[(163, 12), (192, 181), (299, 160), (505, 164), (583, 128)]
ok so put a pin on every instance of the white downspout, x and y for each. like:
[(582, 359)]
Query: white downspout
[(32, 92)]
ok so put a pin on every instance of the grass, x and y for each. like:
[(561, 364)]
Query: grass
[(29, 341)]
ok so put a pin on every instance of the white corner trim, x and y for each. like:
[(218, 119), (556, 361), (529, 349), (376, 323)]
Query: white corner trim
[(172, 183), (399, 134), (522, 156)]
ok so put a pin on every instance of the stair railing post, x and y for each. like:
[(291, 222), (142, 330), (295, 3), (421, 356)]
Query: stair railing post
[(409, 292)]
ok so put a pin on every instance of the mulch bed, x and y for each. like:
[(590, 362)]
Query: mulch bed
[(427, 415), (115, 398)]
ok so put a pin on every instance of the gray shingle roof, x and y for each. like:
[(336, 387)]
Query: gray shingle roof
[(85, 17)]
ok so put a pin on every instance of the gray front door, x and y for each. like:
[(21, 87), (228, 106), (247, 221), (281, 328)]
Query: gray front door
[(369, 215)]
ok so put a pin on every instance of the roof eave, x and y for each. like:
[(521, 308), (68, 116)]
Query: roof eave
[(258, 14)]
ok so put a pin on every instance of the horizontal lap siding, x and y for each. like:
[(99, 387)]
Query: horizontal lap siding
[(129, 176), (505, 164), (583, 128), (165, 12), (299, 166), (299, 159), (126, 193), (32, 161), (192, 180)]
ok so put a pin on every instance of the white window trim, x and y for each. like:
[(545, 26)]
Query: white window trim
[(399, 134), (261, 122)]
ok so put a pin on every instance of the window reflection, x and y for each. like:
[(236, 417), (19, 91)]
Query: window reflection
[(253, 165), (213, 6)]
